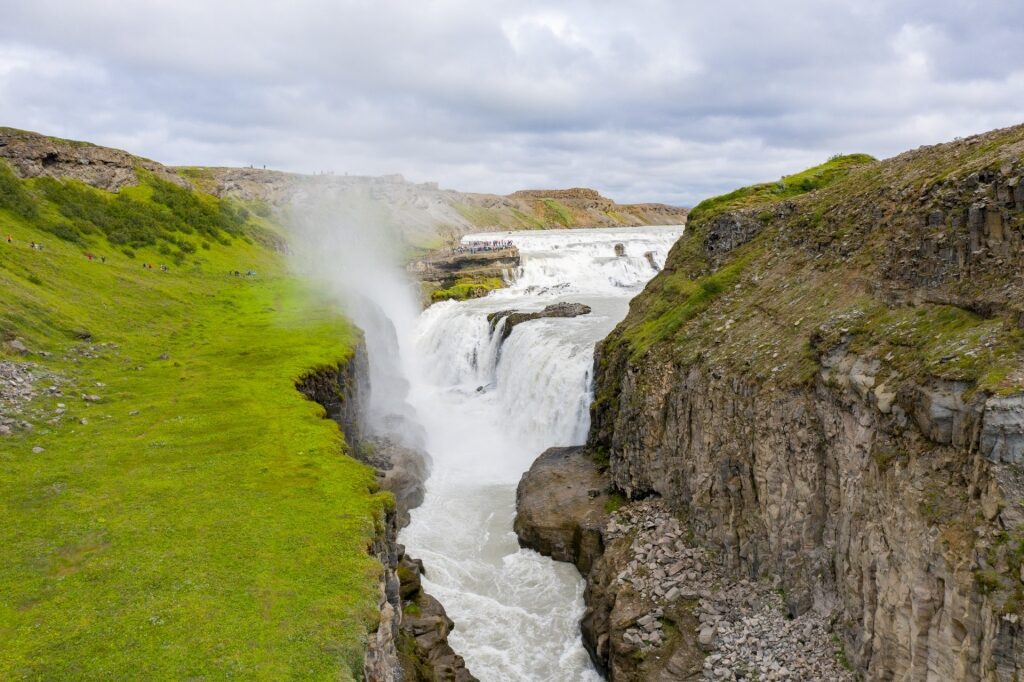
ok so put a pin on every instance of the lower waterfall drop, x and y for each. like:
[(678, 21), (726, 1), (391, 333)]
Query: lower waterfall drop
[(489, 409)]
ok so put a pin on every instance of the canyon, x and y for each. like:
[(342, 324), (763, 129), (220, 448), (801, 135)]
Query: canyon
[(824, 392)]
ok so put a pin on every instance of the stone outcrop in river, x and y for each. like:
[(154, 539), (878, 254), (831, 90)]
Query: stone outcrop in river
[(508, 319), (825, 392), (476, 271)]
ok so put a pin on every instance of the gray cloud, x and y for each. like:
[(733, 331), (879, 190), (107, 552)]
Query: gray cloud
[(647, 100)]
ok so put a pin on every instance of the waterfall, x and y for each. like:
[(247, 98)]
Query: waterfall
[(489, 408)]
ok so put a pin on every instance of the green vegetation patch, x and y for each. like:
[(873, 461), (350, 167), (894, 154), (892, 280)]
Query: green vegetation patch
[(944, 342), (198, 520), (557, 213), (466, 288), (682, 299), (787, 187)]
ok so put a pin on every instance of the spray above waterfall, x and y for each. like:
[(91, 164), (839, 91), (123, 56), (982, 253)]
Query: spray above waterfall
[(350, 244)]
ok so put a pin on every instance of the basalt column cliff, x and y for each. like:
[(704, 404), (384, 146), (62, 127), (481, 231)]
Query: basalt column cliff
[(817, 406)]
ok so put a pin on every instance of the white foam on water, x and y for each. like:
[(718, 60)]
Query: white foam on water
[(488, 410)]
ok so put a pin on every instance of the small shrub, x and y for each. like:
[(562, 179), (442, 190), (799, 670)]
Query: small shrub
[(988, 580), (614, 503)]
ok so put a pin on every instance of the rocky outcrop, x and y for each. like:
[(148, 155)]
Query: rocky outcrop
[(402, 471), (487, 269), (342, 391), (508, 319), (423, 638), (658, 607), (410, 641), (827, 391), (560, 507), (32, 155)]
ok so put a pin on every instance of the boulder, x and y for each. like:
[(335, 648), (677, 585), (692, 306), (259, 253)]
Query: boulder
[(560, 507)]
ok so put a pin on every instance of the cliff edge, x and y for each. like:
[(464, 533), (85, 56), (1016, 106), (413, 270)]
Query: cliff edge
[(824, 388), (829, 388)]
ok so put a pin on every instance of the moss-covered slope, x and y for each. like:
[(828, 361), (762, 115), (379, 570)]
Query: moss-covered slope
[(916, 259), (172, 508)]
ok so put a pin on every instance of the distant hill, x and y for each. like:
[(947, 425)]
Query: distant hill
[(427, 215)]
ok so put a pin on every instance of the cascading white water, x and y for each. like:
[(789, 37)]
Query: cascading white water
[(489, 409)]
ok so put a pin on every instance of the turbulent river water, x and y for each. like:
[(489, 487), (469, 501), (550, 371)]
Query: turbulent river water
[(488, 411)]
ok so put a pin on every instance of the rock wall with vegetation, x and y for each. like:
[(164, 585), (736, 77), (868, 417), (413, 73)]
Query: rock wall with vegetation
[(410, 641), (826, 384), (459, 275)]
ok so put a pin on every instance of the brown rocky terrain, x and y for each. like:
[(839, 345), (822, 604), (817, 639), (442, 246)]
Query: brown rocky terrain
[(826, 392), (32, 155)]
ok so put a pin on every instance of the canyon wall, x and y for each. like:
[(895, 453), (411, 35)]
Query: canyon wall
[(827, 392), (410, 642)]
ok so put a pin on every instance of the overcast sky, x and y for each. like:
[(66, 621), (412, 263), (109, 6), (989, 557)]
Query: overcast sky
[(646, 100)]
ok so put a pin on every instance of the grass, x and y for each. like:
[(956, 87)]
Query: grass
[(944, 342), (199, 521), (785, 188), (614, 503), (557, 213), (466, 288), (683, 299)]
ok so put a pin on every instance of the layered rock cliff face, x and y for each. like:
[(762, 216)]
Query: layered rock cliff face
[(830, 390), (410, 642), (827, 390), (32, 155), (463, 273)]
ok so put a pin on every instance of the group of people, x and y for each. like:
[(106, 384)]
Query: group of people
[(248, 273), (35, 246), (149, 266), (477, 247)]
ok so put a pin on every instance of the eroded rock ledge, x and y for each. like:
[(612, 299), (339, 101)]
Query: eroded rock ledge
[(508, 319), (658, 607), (410, 643)]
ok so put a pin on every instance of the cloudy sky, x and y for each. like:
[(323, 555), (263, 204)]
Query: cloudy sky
[(660, 100)]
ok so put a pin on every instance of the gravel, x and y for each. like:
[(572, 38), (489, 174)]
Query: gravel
[(744, 626)]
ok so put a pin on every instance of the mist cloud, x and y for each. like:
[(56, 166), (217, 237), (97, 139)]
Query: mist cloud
[(649, 100)]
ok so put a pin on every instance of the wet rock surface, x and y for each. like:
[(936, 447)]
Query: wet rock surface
[(402, 471), (560, 507), (508, 319), (410, 643), (423, 634)]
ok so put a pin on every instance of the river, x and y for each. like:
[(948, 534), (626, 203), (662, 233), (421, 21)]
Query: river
[(488, 411)]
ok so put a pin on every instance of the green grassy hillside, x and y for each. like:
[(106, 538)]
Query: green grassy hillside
[(787, 187), (192, 517), (914, 261)]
